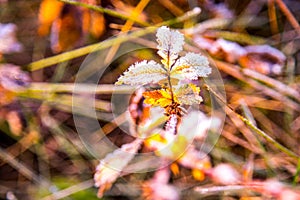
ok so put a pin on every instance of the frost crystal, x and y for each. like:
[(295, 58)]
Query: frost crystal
[(169, 42), (188, 94), (143, 73), (192, 66)]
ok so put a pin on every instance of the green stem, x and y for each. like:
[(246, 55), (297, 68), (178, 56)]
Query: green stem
[(296, 176)]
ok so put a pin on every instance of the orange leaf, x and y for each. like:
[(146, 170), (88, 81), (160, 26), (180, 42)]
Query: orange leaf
[(93, 22), (86, 20), (161, 97), (6, 96), (66, 31), (49, 11), (198, 174), (97, 26), (175, 169)]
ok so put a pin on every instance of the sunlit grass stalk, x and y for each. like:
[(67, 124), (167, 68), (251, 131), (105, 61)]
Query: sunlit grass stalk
[(107, 11), (238, 37), (216, 23), (297, 174), (77, 88), (70, 190), (65, 100), (256, 129), (46, 62)]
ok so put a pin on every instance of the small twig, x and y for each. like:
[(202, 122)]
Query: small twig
[(289, 15), (273, 17), (175, 10), (218, 189)]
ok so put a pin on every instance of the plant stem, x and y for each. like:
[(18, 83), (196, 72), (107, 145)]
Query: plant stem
[(171, 89), (296, 176)]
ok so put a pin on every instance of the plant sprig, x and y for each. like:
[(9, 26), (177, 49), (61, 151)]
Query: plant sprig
[(171, 75)]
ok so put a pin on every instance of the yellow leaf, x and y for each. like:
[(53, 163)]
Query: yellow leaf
[(161, 97)]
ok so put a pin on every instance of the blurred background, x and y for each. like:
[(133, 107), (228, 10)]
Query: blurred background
[(254, 44)]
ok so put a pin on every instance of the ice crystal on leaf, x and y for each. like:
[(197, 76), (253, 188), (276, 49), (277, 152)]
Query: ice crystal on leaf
[(169, 43), (142, 73), (188, 94), (169, 75), (191, 66)]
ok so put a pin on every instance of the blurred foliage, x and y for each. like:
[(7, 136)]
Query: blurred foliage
[(254, 45)]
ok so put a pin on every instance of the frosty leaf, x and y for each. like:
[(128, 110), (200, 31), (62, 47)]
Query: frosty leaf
[(160, 98), (191, 66), (8, 41), (188, 94), (142, 73), (169, 43), (110, 168)]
